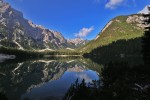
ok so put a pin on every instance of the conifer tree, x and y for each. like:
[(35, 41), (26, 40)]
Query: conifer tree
[(146, 39)]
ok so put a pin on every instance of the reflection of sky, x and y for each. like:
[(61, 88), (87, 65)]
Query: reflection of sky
[(60, 86), (88, 76)]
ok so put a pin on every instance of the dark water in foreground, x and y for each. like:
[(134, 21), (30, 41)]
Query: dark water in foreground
[(44, 79)]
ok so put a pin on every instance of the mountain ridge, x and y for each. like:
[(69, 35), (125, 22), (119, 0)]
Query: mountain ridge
[(18, 32), (119, 28)]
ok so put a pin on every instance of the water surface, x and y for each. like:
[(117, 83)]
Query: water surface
[(44, 79)]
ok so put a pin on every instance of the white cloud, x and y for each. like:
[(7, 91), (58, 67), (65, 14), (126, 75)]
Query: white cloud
[(84, 32), (112, 4)]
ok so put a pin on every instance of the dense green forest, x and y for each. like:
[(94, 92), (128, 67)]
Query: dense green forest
[(121, 50), (20, 53)]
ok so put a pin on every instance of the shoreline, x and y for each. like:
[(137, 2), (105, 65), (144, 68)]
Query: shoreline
[(63, 56)]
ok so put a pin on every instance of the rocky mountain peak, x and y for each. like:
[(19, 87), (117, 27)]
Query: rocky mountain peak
[(18, 32), (146, 10), (77, 41), (4, 6)]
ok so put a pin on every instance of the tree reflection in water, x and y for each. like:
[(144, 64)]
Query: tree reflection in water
[(3, 96), (46, 79), (119, 82)]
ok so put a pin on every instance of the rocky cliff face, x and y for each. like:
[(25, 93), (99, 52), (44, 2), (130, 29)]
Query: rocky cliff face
[(137, 20), (17, 32)]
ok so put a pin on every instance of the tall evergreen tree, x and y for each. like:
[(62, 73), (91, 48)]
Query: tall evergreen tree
[(146, 39)]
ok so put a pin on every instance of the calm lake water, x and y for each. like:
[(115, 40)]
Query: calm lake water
[(44, 79)]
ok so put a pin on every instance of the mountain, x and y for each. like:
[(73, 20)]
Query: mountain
[(146, 10), (77, 42), (119, 28), (18, 32), (119, 41)]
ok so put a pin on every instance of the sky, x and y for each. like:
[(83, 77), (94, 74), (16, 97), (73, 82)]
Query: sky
[(76, 18)]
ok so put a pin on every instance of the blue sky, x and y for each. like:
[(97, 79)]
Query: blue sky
[(76, 18)]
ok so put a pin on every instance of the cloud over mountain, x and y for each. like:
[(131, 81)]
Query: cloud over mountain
[(84, 32)]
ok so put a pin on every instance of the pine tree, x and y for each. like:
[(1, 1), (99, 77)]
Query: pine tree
[(146, 40)]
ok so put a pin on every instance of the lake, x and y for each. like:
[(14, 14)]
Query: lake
[(44, 79)]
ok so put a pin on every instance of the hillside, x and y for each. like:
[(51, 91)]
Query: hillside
[(119, 28)]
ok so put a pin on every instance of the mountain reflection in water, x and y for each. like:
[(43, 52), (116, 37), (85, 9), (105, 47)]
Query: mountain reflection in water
[(44, 79)]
